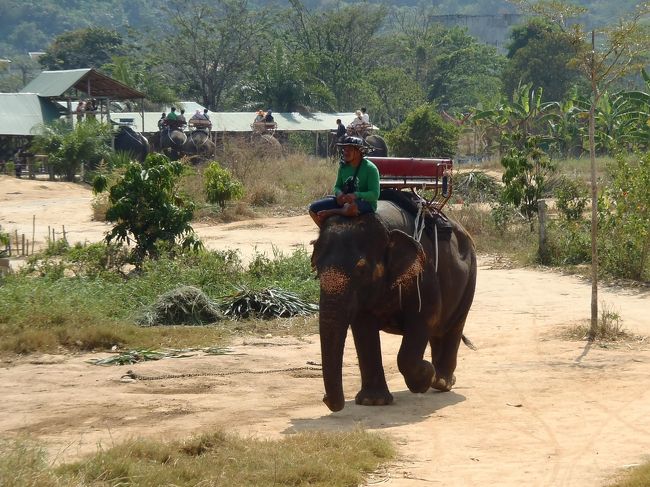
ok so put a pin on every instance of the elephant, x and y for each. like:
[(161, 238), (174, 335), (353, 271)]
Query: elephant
[(379, 147), (266, 145), (374, 276), (177, 143), (128, 140)]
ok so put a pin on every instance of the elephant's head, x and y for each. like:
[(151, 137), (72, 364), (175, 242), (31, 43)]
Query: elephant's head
[(359, 262)]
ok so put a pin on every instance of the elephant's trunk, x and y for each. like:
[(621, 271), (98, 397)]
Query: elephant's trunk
[(333, 327)]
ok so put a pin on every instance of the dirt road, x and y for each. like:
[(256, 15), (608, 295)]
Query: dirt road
[(528, 408)]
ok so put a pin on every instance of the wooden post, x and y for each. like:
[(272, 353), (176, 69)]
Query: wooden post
[(64, 237), (23, 250), (48, 234), (541, 215)]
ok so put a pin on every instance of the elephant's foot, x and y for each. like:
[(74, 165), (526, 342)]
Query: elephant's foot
[(421, 378), (333, 405), (443, 384), (368, 397)]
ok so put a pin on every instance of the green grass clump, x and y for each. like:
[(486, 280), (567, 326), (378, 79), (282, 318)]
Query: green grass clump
[(304, 459), (75, 304)]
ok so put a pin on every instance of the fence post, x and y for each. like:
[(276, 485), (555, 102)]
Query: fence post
[(541, 215)]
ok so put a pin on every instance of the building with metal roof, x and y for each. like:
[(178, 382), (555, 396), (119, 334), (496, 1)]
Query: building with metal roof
[(22, 113), (241, 121), (56, 84)]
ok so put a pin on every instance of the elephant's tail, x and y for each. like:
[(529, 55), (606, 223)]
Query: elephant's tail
[(469, 343)]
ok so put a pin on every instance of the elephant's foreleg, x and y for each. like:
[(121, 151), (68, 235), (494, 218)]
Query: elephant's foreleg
[(418, 373), (374, 390)]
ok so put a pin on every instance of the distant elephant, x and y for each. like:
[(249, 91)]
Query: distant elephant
[(171, 141), (266, 145), (128, 140), (374, 276), (177, 143), (380, 149), (199, 144)]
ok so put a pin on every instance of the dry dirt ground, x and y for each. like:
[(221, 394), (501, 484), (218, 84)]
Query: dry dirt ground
[(528, 408)]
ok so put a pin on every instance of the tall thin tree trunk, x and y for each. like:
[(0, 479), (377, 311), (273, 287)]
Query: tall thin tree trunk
[(593, 328)]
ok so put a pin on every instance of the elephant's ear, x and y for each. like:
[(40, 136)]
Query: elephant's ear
[(405, 259)]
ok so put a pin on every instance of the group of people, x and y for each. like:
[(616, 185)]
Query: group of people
[(361, 123), (264, 116), (177, 120), (87, 108), (356, 189), (358, 127)]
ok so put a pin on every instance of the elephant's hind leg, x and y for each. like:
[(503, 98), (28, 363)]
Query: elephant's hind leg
[(444, 355)]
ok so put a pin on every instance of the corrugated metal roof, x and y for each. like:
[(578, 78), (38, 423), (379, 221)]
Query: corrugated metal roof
[(87, 80), (22, 113), (241, 121)]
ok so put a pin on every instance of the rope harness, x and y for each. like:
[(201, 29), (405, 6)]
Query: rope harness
[(419, 224), (173, 143), (193, 139)]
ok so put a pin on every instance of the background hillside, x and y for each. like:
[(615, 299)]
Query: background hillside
[(30, 25)]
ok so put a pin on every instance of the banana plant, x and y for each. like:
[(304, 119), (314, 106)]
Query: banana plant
[(523, 116)]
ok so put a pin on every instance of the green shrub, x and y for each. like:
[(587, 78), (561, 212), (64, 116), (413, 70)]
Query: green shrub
[(476, 187), (147, 207), (568, 242), (624, 219), (423, 134), (572, 196), (527, 167), (221, 186)]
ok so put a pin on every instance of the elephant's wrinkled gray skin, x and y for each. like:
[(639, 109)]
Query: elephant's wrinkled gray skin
[(374, 276), (132, 142)]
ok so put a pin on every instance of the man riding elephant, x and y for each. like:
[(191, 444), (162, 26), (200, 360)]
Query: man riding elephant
[(357, 185)]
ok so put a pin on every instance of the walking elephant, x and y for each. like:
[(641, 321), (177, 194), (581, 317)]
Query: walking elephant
[(378, 144), (128, 140), (177, 143), (374, 276)]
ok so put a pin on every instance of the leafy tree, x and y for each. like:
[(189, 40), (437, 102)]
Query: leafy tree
[(138, 73), (396, 93), (337, 44), (540, 53), (146, 207), (463, 72), (84, 48), (23, 70), (210, 46), (424, 134), (71, 150), (221, 186), (285, 82)]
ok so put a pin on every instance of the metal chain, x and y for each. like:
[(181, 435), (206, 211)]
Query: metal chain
[(135, 376)]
